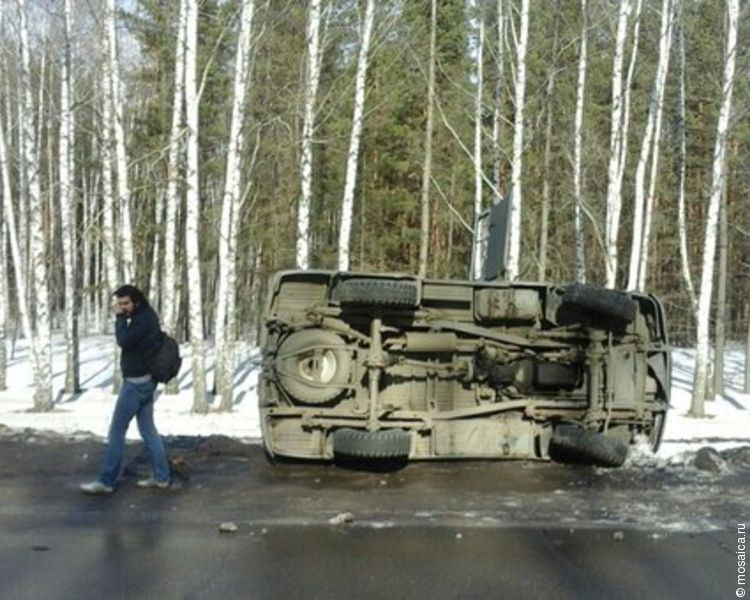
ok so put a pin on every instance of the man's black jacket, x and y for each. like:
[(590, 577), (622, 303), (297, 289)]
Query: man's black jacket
[(138, 336)]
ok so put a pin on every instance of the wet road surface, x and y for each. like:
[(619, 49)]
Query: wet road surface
[(440, 530)]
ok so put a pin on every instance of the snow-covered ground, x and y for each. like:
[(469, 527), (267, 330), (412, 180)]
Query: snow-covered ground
[(727, 423), (91, 410)]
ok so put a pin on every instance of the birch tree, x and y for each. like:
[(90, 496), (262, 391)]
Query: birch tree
[(619, 123), (171, 271), (312, 78), (41, 344), (497, 116), (580, 239), (125, 238), (717, 182), (682, 165), (9, 227), (192, 201), (230, 216), (643, 203), (110, 247), (546, 161), (479, 74), (347, 207), (717, 387), (4, 297), (514, 251), (427, 165), (68, 210)]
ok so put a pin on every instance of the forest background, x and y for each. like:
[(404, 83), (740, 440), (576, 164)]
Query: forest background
[(195, 147)]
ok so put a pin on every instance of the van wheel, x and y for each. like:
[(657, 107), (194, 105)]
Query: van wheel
[(314, 365), (572, 443), (389, 443), (595, 306), (378, 292)]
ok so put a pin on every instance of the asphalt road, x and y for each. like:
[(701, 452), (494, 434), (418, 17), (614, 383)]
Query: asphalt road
[(437, 530)]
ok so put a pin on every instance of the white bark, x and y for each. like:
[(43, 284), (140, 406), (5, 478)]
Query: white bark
[(497, 117), (347, 207), (157, 273), (580, 238), (477, 152), (643, 202), (479, 74), (42, 346), (108, 218), (682, 153), (615, 144), (18, 261), (195, 296), (224, 343), (427, 165), (718, 387), (514, 230), (717, 183), (547, 159), (170, 282), (68, 210), (125, 239), (312, 78), (110, 249), (4, 298)]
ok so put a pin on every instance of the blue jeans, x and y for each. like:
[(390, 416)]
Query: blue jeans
[(135, 400)]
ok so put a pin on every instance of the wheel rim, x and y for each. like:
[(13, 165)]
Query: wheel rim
[(317, 366)]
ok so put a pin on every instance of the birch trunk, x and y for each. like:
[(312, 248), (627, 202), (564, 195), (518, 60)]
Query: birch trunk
[(109, 245), (347, 207), (717, 183), (157, 273), (41, 345), (721, 300), (649, 149), (497, 117), (125, 238), (171, 281), (682, 161), (614, 146), (312, 78), (224, 342), (200, 404), (3, 302), (18, 261), (514, 252), (547, 160), (479, 73), (6, 190), (580, 238), (427, 166), (746, 387), (68, 212), (617, 141)]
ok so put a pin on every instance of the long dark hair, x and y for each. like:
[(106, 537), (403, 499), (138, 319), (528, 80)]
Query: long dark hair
[(131, 292)]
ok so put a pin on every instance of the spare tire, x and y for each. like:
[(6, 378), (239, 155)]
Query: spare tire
[(314, 365), (394, 293), (574, 443), (384, 443), (595, 306)]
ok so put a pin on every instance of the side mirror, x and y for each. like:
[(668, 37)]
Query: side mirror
[(490, 243)]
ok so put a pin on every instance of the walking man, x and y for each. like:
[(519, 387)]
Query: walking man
[(138, 334)]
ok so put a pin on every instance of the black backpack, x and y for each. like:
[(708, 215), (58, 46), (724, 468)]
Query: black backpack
[(165, 362)]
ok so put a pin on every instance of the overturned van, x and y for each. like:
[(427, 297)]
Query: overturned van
[(394, 366)]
